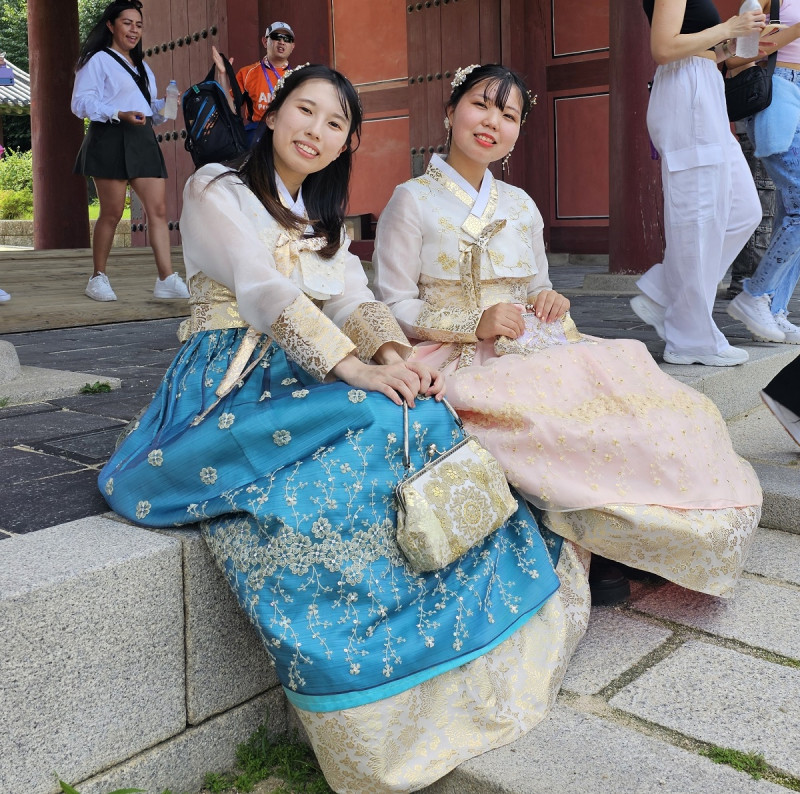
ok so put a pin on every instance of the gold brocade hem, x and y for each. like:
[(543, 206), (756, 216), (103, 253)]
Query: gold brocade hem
[(407, 741), (703, 550), (309, 338), (372, 325)]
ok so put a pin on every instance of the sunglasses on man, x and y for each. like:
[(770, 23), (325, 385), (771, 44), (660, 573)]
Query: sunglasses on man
[(282, 37)]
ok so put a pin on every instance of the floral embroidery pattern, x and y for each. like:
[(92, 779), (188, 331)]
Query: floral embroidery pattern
[(110, 486), (281, 437), (208, 475), (225, 421), (300, 393), (356, 395), (142, 509), (155, 457)]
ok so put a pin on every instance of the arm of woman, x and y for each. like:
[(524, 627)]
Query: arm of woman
[(87, 93), (668, 44), (398, 265), (221, 240), (772, 40), (543, 300)]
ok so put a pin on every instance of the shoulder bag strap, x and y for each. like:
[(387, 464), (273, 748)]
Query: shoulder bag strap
[(138, 78), (774, 16)]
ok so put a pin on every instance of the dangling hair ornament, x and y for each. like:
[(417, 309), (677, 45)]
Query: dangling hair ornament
[(286, 74), (504, 163), (532, 98), (461, 74)]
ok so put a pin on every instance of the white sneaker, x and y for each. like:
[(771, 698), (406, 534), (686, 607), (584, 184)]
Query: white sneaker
[(4, 296), (790, 331), (650, 312), (756, 316), (727, 358), (790, 420), (170, 287), (99, 289)]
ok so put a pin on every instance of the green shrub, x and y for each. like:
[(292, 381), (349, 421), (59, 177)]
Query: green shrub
[(16, 205), (16, 171)]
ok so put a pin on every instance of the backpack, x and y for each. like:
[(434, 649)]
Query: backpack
[(214, 132)]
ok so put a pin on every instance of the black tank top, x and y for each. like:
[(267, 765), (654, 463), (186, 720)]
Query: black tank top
[(699, 15)]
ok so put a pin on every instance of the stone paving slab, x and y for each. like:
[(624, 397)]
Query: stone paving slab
[(613, 643), (761, 614), (727, 698), (575, 753), (226, 663), (781, 486), (759, 437), (92, 666), (181, 763), (776, 555), (21, 465), (58, 499), (50, 425), (38, 384)]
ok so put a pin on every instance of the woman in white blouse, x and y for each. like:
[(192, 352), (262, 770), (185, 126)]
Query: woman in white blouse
[(116, 91), (626, 462)]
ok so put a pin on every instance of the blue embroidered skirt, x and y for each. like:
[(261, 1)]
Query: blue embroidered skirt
[(293, 483)]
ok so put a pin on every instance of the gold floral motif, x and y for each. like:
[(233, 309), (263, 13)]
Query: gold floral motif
[(447, 324), (703, 550), (212, 305), (309, 338), (371, 325)]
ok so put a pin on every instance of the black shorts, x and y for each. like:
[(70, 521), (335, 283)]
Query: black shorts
[(120, 151)]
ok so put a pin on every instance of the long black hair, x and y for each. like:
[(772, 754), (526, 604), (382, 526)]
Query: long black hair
[(500, 82), (325, 192), (100, 36)]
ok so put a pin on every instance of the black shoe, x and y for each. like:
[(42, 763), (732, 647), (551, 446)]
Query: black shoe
[(607, 582), (638, 575)]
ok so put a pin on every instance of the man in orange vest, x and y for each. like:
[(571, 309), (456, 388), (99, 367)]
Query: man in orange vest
[(259, 78)]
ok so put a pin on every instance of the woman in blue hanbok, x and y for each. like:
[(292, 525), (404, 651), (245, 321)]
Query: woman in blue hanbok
[(278, 427)]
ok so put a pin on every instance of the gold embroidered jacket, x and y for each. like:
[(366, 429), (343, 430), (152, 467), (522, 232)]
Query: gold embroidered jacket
[(245, 270)]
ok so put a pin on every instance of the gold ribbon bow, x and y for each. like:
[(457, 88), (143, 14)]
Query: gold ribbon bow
[(469, 266), (288, 248)]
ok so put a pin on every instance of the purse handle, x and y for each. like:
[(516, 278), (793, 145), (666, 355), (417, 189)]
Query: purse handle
[(432, 448)]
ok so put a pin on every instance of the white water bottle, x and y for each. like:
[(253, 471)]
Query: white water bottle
[(747, 46), (171, 105)]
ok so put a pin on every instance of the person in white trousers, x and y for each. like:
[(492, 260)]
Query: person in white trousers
[(711, 206)]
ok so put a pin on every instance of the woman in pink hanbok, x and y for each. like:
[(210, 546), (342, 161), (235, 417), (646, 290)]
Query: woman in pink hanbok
[(623, 460)]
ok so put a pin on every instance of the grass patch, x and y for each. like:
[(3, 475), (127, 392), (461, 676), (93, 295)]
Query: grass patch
[(94, 211), (752, 763), (263, 756), (4, 401), (95, 388)]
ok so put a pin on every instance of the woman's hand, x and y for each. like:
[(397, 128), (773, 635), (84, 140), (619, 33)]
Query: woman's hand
[(431, 381), (502, 319), (745, 24), (132, 116), (221, 75), (549, 305), (397, 381)]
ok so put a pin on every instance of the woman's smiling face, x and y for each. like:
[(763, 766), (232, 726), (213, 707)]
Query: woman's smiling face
[(310, 130), (482, 131), (126, 30)]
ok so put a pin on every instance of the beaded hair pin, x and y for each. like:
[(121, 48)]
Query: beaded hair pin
[(286, 74), (461, 75)]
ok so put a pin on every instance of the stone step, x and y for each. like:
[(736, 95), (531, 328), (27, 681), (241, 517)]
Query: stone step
[(760, 438), (735, 390)]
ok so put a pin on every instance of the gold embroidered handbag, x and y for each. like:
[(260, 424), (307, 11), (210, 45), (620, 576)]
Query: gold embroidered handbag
[(456, 500)]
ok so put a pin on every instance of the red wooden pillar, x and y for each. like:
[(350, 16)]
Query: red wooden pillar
[(60, 201), (636, 205)]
